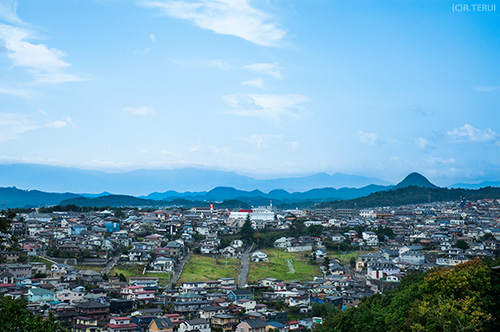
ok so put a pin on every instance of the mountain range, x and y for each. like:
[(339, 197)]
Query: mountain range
[(143, 182), (13, 197)]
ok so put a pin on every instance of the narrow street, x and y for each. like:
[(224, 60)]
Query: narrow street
[(110, 264), (243, 270), (178, 270)]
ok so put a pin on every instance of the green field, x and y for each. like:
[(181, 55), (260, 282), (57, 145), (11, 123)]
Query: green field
[(347, 256), (278, 267), (89, 267), (202, 268), (127, 270)]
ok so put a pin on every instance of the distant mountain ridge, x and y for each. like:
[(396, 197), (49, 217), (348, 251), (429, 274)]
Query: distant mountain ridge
[(364, 196), (142, 182)]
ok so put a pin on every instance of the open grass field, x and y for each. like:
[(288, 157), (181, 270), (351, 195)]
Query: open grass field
[(47, 263), (201, 268), (279, 267), (88, 267), (347, 256), (127, 270)]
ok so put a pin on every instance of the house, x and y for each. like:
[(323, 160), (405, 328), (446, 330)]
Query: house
[(252, 325), (40, 295), (224, 322), (93, 309), (198, 325), (239, 294), (163, 324), (164, 264), (85, 324), (138, 255), (259, 256), (19, 270), (121, 324)]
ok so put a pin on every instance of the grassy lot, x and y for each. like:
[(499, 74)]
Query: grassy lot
[(201, 268), (88, 267), (48, 264), (335, 254), (127, 270), (278, 267)]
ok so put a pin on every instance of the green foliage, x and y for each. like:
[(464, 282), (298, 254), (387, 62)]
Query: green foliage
[(463, 298), (413, 195), (461, 244), (14, 316), (247, 232)]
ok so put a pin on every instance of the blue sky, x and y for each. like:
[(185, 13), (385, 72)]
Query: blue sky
[(265, 88)]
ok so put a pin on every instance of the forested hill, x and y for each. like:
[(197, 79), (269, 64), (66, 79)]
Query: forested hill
[(414, 195), (463, 298)]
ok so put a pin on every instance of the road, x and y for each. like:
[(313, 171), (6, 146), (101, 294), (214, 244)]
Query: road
[(178, 270), (110, 265), (243, 270)]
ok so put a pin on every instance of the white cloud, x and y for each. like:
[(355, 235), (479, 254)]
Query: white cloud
[(143, 110), (258, 82), (442, 161), (13, 125), (294, 145), (152, 37), (45, 64), (486, 88), (422, 143), (61, 123), (220, 64), (227, 17), (166, 153), (371, 139), (21, 93), (8, 11), (271, 69), (468, 133), (267, 106)]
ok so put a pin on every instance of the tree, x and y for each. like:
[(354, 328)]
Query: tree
[(6, 218), (14, 316), (461, 244), (462, 298), (246, 232)]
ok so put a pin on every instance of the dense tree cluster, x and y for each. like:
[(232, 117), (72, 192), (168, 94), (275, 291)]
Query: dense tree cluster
[(463, 298), (14, 316)]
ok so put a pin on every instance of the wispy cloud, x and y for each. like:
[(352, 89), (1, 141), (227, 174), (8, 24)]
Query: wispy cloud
[(152, 37), (227, 17), (468, 133), (8, 10), (271, 69), (257, 82), (486, 88), (45, 64), (423, 143), (21, 93), (415, 108), (266, 106), (143, 110), (13, 125), (371, 139)]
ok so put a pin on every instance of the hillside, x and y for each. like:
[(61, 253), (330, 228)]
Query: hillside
[(414, 195), (12, 197)]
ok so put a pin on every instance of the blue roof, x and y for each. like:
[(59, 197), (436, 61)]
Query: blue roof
[(276, 325)]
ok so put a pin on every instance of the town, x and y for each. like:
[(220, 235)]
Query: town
[(209, 269)]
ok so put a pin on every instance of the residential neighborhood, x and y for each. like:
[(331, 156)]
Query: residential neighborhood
[(191, 269)]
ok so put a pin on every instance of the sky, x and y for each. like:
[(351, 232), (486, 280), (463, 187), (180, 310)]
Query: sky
[(265, 88)]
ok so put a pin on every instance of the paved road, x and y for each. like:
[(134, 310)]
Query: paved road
[(178, 270), (110, 264), (243, 270)]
